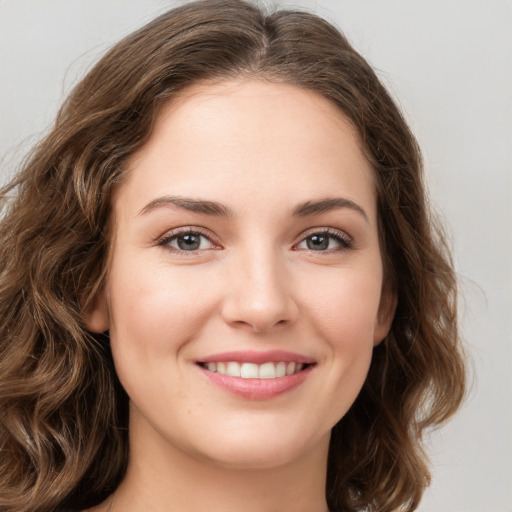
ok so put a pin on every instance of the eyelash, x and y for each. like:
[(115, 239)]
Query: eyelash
[(343, 239), (173, 235)]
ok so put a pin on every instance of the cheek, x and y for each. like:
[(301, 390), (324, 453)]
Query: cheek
[(345, 306), (155, 303), (344, 317), (152, 316)]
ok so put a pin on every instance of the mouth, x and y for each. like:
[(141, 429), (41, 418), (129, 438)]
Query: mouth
[(268, 370), (256, 375)]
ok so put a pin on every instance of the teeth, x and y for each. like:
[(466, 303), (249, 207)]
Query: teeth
[(233, 369), (267, 371), (280, 369), (249, 371), (255, 371)]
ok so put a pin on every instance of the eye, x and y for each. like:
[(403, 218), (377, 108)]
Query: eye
[(187, 240), (325, 241)]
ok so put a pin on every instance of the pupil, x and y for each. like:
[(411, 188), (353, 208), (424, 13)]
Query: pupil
[(188, 242), (317, 242)]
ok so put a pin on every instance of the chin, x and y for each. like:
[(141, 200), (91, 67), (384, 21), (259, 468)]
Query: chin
[(254, 458), (264, 451)]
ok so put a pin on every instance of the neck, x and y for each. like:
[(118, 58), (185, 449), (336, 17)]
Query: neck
[(161, 478)]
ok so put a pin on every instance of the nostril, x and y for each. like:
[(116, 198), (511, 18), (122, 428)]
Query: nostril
[(259, 307)]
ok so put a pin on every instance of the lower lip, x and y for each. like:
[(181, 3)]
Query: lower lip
[(257, 389)]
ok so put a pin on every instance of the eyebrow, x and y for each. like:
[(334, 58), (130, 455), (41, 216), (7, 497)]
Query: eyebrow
[(325, 205), (216, 209), (192, 205)]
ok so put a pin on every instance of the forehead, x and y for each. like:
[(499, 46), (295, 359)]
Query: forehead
[(216, 139), (269, 113)]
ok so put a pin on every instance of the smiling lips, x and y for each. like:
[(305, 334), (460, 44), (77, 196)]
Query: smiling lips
[(257, 375), (255, 371)]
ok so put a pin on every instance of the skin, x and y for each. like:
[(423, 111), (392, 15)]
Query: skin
[(255, 284)]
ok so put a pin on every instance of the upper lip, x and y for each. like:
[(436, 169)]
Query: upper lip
[(256, 357)]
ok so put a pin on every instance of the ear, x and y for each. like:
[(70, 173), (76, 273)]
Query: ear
[(385, 315), (96, 317)]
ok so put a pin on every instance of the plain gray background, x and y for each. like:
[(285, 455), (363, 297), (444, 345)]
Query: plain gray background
[(449, 64)]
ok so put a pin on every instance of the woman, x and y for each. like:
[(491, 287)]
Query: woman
[(221, 288)]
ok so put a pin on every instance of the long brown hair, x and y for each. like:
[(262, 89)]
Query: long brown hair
[(63, 421)]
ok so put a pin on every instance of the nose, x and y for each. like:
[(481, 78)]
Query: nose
[(259, 294)]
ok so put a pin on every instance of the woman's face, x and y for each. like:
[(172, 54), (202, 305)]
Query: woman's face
[(244, 295)]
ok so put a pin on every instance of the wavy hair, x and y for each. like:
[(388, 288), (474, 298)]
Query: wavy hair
[(64, 422)]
